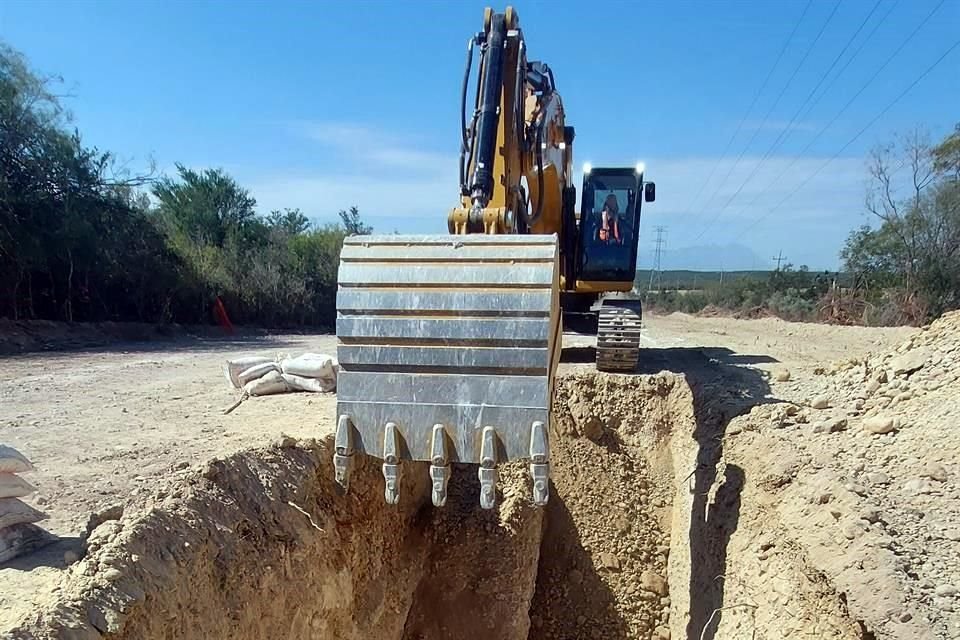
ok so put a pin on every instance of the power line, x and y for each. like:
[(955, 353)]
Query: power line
[(766, 117), (854, 138), (763, 85), (787, 130), (852, 57), (847, 105)]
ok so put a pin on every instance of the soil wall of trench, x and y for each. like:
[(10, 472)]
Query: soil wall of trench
[(262, 544)]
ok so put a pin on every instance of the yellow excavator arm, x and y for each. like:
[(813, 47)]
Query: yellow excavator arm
[(448, 344), (516, 158)]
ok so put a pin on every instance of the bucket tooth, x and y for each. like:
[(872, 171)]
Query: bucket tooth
[(343, 451), (488, 468), (540, 463), (439, 466), (391, 464)]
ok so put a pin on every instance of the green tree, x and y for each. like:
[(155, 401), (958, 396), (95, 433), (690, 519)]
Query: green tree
[(207, 205), (64, 208), (289, 221), (911, 260), (352, 223)]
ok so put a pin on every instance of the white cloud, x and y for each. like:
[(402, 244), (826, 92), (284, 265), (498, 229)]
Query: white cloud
[(398, 184), (416, 205), (388, 176), (340, 134), (704, 187), (364, 145), (413, 159)]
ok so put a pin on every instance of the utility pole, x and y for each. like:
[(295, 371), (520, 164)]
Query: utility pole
[(779, 258), (660, 230)]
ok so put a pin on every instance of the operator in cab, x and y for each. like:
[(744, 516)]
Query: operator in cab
[(609, 221)]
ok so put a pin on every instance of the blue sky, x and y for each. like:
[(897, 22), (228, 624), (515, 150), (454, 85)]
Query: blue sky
[(325, 105)]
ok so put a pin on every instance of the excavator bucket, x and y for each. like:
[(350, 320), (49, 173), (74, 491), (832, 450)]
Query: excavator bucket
[(447, 348)]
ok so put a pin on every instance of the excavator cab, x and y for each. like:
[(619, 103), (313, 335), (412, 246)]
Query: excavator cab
[(606, 259), (610, 223)]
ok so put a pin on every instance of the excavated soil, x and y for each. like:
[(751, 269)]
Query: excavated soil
[(636, 542)]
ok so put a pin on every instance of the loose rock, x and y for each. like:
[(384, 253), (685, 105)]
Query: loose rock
[(820, 402), (653, 582), (609, 561), (946, 590), (909, 362), (935, 471), (918, 485), (880, 424), (852, 529), (871, 515)]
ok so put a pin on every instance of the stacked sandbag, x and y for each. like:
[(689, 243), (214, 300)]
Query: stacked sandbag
[(310, 372), (234, 368), (18, 533), (260, 376)]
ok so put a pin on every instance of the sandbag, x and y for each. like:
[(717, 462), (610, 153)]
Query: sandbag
[(257, 371), (13, 511), (269, 384), (312, 365), (19, 539), (236, 366), (12, 461), (301, 383), (13, 486)]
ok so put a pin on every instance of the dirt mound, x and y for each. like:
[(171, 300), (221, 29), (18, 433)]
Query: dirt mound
[(862, 469)]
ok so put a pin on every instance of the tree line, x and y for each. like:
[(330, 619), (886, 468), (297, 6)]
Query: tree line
[(81, 239)]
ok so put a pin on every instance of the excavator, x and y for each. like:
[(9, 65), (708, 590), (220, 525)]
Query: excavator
[(448, 344)]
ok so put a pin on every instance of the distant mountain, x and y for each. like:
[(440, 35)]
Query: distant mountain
[(730, 257)]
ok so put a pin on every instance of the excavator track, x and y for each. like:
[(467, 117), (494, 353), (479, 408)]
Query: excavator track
[(618, 335), (447, 347)]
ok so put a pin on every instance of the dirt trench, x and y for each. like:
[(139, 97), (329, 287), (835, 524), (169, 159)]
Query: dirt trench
[(262, 544)]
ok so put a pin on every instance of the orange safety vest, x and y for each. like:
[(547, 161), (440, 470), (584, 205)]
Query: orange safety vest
[(605, 227)]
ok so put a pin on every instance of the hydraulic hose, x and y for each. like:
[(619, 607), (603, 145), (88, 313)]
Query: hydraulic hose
[(463, 118), (485, 138), (518, 102)]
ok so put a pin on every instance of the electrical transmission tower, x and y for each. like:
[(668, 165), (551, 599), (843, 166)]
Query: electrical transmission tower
[(779, 258), (656, 272)]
